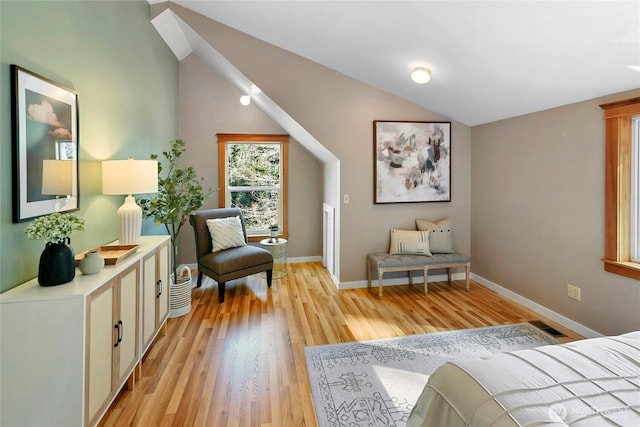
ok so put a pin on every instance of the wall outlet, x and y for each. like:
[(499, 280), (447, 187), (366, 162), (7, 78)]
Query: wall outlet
[(573, 292), (346, 199)]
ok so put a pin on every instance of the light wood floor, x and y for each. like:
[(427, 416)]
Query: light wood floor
[(241, 363)]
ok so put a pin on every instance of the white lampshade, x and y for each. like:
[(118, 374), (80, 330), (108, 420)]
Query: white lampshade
[(57, 177), (129, 177), (421, 75)]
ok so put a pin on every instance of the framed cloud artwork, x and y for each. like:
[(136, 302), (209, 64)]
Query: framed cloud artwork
[(45, 146), (412, 161)]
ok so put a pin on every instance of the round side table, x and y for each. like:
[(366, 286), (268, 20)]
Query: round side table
[(278, 249)]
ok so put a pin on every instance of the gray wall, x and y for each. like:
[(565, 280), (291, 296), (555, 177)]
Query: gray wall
[(338, 111), (537, 210), (127, 83), (210, 105)]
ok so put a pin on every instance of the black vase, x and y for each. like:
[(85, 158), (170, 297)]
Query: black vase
[(57, 265)]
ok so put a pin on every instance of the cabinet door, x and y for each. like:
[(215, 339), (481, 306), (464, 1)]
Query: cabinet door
[(149, 292), (100, 341), (155, 292), (165, 282), (126, 350)]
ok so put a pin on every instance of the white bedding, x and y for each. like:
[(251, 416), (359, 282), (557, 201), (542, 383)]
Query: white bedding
[(593, 382)]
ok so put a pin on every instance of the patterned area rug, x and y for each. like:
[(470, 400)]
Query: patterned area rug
[(375, 383)]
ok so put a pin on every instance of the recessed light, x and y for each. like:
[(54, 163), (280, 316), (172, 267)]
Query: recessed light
[(245, 100)]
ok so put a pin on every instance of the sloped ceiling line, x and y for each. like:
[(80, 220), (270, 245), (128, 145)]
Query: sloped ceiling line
[(184, 40)]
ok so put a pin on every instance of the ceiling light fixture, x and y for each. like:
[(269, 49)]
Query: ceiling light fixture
[(245, 100), (421, 75)]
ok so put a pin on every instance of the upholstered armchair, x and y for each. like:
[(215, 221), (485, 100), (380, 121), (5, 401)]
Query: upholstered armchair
[(231, 263)]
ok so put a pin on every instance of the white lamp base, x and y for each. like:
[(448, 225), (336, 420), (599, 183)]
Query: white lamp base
[(129, 222)]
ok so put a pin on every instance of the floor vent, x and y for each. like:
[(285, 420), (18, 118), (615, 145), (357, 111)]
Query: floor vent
[(548, 329)]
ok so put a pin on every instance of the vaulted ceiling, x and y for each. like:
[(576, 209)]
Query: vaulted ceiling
[(489, 60)]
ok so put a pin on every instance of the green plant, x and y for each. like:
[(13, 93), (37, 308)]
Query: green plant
[(54, 228), (180, 194)]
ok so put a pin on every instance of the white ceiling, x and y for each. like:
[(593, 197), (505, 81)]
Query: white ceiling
[(489, 60)]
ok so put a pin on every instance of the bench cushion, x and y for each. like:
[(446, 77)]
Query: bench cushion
[(388, 260)]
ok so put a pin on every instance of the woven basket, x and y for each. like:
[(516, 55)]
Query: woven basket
[(180, 294)]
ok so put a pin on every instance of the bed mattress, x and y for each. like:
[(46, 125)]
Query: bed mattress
[(592, 382)]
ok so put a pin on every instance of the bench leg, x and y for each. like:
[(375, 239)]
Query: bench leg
[(426, 280), (449, 275), (368, 273), (380, 274), (410, 278), (467, 268)]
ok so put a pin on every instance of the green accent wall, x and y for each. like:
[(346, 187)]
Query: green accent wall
[(127, 83)]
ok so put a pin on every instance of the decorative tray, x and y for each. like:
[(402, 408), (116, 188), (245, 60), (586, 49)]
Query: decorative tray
[(111, 253)]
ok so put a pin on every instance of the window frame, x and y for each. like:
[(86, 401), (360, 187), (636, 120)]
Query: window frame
[(635, 189), (618, 171), (283, 140)]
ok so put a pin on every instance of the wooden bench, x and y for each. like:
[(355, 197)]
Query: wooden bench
[(385, 263)]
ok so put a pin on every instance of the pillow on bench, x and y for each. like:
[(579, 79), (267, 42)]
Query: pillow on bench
[(440, 238), (409, 242)]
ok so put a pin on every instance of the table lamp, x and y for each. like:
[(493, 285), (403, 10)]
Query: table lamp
[(129, 177)]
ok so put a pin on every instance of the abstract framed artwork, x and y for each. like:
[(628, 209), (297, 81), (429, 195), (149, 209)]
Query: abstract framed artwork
[(412, 161), (45, 146)]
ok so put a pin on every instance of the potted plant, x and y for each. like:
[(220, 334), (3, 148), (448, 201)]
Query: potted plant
[(274, 230), (180, 194), (57, 263)]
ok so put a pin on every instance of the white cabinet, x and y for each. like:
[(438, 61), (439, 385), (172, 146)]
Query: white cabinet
[(155, 293), (100, 344), (66, 351), (112, 339)]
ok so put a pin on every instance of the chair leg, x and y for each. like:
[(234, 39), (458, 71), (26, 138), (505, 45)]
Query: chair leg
[(269, 277), (221, 291), (199, 279)]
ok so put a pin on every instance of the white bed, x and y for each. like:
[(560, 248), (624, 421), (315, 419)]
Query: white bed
[(592, 382)]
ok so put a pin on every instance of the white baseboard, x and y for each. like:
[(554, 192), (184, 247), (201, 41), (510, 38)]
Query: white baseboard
[(540, 309), (296, 260), (399, 281)]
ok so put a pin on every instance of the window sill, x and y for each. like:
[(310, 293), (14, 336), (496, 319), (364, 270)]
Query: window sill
[(627, 269), (257, 237)]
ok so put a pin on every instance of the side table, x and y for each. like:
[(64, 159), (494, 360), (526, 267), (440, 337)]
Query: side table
[(278, 249)]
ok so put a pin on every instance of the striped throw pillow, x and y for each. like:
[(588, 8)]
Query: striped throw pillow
[(409, 242)]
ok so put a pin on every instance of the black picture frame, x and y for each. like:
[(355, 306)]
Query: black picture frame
[(45, 147), (412, 161)]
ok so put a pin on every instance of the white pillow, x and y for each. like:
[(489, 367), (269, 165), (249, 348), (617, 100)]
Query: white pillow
[(409, 242), (225, 233), (440, 239)]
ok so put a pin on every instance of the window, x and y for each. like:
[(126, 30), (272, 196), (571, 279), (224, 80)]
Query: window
[(252, 170), (621, 188)]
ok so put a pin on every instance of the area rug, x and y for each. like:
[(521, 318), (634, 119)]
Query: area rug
[(375, 383)]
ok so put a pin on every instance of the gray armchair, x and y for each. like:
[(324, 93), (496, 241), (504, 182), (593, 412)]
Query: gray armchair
[(227, 264)]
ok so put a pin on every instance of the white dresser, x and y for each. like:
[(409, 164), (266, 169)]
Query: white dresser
[(67, 350)]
